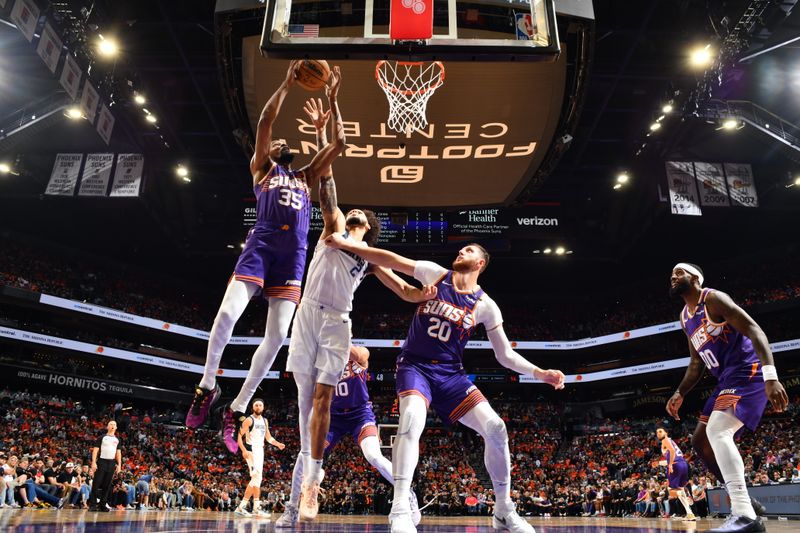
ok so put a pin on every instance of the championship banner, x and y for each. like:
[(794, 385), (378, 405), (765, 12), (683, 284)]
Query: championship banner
[(711, 181), (71, 76), (96, 174), (682, 190), (128, 175), (741, 185), (49, 48), (89, 101), (65, 175), (25, 15), (105, 126)]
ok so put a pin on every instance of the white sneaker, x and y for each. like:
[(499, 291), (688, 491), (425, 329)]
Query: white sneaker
[(242, 512), (416, 515), (690, 518), (402, 523), (309, 501), (512, 522), (289, 517), (261, 513)]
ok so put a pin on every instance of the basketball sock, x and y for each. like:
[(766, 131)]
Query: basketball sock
[(721, 428), (256, 505), (413, 411), (312, 470), (483, 419), (279, 317), (297, 481), (684, 499), (371, 448), (236, 298)]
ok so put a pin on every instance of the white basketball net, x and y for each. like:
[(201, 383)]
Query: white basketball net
[(408, 87)]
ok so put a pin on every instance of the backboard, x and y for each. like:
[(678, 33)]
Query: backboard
[(484, 30)]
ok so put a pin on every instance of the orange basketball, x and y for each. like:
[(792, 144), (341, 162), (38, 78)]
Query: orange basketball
[(313, 74)]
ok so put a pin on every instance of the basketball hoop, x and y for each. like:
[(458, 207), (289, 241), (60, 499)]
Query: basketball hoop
[(408, 87)]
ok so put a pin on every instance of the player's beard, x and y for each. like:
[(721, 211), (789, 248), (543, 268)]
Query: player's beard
[(465, 265), (354, 221), (682, 287), (285, 158)]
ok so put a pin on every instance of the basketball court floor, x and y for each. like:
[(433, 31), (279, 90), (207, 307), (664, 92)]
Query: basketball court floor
[(78, 521)]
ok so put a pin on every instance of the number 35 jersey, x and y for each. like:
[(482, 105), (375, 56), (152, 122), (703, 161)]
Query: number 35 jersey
[(441, 327), (727, 354), (283, 201)]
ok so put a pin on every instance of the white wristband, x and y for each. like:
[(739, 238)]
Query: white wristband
[(770, 373)]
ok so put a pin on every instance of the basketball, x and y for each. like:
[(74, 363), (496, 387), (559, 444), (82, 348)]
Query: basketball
[(312, 74)]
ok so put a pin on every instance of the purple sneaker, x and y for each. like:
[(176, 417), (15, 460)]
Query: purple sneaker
[(231, 422), (202, 403)]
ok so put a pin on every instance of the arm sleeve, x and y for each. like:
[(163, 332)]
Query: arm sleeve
[(428, 272), (488, 314), (506, 355)]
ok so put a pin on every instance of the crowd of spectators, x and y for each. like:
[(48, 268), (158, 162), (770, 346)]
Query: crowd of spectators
[(47, 439), (751, 284)]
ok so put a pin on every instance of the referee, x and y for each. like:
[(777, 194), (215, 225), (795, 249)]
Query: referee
[(104, 467)]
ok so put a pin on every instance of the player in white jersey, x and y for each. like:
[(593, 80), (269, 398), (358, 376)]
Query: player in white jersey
[(252, 435), (320, 342)]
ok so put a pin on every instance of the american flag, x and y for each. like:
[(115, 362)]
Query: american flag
[(303, 30)]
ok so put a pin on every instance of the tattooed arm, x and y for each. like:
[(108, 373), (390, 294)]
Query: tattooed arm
[(316, 170)]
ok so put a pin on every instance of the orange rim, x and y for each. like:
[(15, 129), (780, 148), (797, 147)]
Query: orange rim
[(412, 63)]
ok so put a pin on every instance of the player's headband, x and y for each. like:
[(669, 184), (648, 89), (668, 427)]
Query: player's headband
[(686, 267)]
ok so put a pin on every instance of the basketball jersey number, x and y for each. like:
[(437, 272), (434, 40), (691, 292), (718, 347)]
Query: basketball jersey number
[(708, 358), (292, 199), (342, 390), (439, 329)]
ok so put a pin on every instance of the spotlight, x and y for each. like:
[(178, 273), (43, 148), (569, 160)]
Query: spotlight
[(74, 113), (241, 245), (617, 186), (547, 250), (4, 168), (230, 247), (623, 178), (151, 119), (797, 181), (655, 126), (107, 47), (139, 99), (730, 124), (181, 171), (560, 250), (569, 252), (667, 109), (187, 179), (659, 119), (701, 57)]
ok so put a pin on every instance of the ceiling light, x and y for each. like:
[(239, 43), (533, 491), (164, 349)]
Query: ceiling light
[(560, 250), (701, 56), (547, 250), (537, 251), (139, 99), (623, 177), (797, 181), (187, 179), (107, 47), (617, 186), (241, 245), (181, 171), (667, 109), (4, 168), (151, 119), (230, 246), (659, 119), (569, 252), (74, 113), (655, 126), (730, 124)]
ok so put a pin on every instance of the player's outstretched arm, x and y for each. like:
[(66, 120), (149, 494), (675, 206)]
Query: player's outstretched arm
[(323, 159), (360, 355), (510, 359), (719, 303), (267, 118), (691, 378), (403, 289), (376, 256)]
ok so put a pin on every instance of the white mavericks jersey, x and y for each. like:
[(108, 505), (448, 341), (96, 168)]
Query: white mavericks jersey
[(258, 432), (333, 276)]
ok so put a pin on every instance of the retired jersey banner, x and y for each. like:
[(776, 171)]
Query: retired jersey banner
[(25, 15), (105, 125), (711, 181), (65, 175), (71, 76), (741, 185), (96, 175), (128, 175), (49, 48), (89, 101), (682, 189)]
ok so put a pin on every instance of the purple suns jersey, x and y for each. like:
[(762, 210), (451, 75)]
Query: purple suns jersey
[(282, 200), (442, 327), (351, 391), (725, 352), (665, 450)]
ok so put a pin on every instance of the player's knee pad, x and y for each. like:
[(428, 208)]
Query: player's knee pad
[(496, 432)]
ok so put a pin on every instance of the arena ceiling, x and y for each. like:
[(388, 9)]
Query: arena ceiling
[(639, 63)]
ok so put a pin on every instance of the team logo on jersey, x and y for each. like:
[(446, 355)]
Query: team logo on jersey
[(286, 180), (457, 315), (709, 332)]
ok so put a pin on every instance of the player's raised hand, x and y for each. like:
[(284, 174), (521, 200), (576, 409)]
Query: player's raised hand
[(334, 240), (429, 292), (674, 404), (332, 90), (317, 115), (291, 73), (553, 377), (777, 395)]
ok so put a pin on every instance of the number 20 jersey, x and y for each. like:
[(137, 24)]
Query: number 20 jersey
[(726, 353)]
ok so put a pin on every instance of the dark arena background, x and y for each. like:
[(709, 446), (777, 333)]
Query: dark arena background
[(589, 146)]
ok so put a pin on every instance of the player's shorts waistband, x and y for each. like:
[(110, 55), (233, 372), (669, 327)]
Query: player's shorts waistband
[(443, 361), (272, 228), (323, 307)]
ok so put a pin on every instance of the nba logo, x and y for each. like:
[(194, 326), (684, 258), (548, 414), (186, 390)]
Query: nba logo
[(525, 27)]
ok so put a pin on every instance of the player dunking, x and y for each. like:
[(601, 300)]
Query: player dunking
[(430, 372), (272, 260), (320, 340), (727, 341), (351, 413), (252, 435), (677, 471)]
